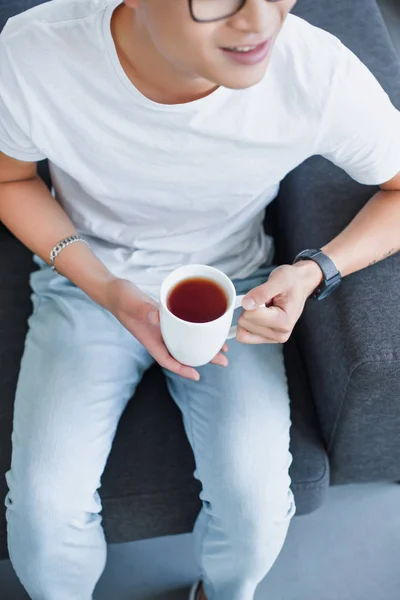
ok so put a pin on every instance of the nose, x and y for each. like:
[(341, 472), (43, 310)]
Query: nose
[(257, 16)]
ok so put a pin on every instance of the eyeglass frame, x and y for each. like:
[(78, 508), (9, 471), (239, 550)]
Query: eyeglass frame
[(241, 5), (190, 2)]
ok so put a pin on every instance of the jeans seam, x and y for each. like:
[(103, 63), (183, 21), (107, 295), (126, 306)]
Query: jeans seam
[(203, 541)]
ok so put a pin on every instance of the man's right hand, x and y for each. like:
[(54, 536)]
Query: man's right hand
[(139, 314), (45, 223)]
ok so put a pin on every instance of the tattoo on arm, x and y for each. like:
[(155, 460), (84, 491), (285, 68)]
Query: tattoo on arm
[(386, 255)]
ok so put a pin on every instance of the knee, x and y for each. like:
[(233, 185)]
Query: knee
[(260, 507), (254, 484), (256, 505), (45, 520), (260, 520), (265, 513), (44, 504)]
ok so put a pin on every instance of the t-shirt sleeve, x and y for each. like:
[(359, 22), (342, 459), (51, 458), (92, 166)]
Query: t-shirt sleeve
[(15, 117), (361, 128)]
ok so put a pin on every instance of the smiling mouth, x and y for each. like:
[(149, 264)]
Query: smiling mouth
[(244, 49), (248, 54), (247, 47)]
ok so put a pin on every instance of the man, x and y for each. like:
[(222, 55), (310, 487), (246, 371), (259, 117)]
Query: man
[(169, 125)]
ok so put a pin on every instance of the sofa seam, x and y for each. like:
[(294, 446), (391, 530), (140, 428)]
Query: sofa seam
[(304, 484), (171, 491)]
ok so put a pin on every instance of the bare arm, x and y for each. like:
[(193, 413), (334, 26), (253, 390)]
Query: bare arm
[(373, 235), (31, 213)]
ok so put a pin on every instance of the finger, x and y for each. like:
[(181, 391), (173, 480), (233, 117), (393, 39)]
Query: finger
[(244, 337), (163, 357), (280, 337), (145, 312), (273, 317), (220, 360), (182, 370), (225, 348), (154, 317), (187, 372), (263, 294)]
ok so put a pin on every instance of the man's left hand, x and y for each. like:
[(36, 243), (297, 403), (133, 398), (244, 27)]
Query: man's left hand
[(273, 308)]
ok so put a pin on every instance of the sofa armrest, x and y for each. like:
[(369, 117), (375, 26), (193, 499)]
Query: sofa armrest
[(350, 343)]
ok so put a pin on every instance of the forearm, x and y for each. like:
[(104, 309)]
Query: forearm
[(30, 212), (373, 235)]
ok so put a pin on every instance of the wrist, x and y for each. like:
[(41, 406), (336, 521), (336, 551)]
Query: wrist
[(81, 266), (337, 258), (311, 273), (107, 292), (99, 289)]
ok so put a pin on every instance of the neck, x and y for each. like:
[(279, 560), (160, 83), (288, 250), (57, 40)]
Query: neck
[(153, 75)]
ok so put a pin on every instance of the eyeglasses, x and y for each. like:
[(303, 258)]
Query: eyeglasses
[(207, 11)]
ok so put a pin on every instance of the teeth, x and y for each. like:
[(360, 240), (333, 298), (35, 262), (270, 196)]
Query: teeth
[(243, 49)]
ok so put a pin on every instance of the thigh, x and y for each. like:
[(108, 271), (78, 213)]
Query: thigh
[(238, 419), (79, 369)]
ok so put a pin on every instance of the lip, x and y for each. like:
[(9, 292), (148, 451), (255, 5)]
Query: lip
[(253, 57)]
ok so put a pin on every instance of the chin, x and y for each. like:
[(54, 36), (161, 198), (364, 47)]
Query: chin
[(242, 83), (241, 79)]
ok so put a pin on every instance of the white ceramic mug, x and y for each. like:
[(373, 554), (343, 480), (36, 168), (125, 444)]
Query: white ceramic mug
[(196, 344)]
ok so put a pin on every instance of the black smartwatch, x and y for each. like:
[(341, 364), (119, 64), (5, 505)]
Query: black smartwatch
[(332, 277)]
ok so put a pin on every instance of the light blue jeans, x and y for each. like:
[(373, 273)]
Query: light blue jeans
[(79, 370)]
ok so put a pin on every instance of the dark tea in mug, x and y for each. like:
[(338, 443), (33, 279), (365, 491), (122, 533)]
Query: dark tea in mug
[(197, 300)]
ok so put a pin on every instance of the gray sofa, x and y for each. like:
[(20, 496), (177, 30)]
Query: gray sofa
[(343, 361)]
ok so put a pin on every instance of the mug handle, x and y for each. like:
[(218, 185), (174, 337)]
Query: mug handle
[(233, 330)]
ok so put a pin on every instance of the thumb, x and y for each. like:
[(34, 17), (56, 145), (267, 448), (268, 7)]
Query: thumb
[(263, 294), (145, 310)]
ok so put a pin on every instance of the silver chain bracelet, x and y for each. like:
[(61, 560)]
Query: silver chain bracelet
[(72, 239)]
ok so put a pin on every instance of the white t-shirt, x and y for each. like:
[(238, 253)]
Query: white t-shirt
[(154, 186)]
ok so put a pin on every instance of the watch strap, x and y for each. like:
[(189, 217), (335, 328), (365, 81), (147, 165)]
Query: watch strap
[(326, 265), (332, 276)]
